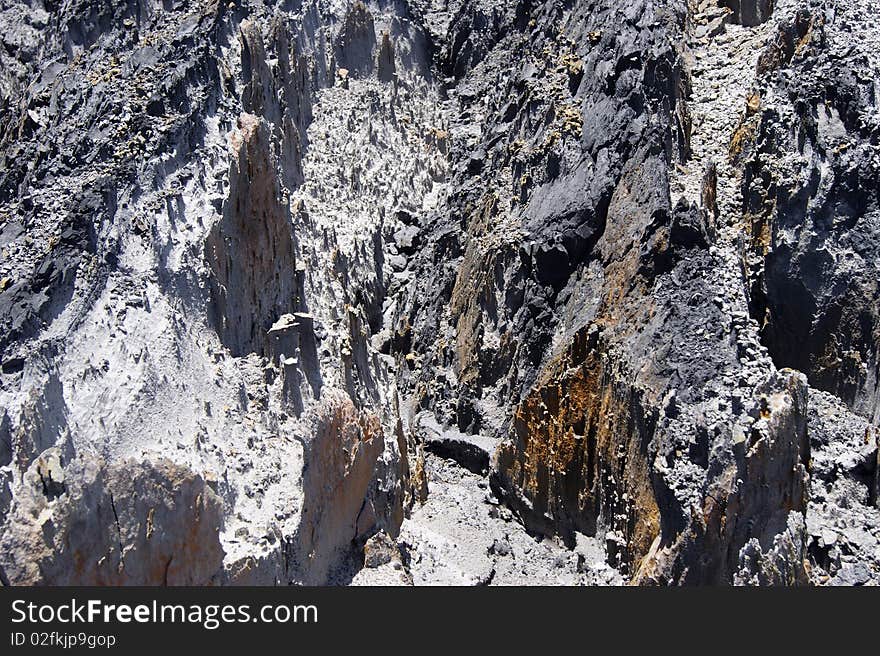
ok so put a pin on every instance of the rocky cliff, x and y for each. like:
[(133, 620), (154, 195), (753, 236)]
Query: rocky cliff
[(439, 291)]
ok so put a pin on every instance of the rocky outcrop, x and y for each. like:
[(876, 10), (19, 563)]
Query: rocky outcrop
[(356, 41), (602, 310), (167, 150), (251, 252), (810, 188), (843, 542), (342, 457), (84, 522), (438, 291)]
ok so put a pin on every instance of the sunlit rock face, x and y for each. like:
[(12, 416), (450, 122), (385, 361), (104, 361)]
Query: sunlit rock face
[(87, 523), (439, 291)]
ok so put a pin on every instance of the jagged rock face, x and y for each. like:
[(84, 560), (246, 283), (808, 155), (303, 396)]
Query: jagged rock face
[(356, 41), (598, 316), (573, 468), (129, 523), (342, 455), (184, 278), (310, 292), (251, 250), (842, 540), (811, 190)]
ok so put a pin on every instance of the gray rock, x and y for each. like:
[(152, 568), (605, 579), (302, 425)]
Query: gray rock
[(570, 293)]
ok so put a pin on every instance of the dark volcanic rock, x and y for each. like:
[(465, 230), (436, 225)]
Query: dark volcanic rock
[(810, 186)]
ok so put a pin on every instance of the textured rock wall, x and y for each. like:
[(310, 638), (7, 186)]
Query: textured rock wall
[(177, 282), (274, 268), (598, 316), (87, 523), (251, 252), (810, 186)]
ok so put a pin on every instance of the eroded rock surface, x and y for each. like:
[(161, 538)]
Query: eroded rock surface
[(439, 291), (88, 523)]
